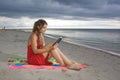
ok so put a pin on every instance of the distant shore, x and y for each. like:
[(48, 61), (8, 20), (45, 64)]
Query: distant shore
[(101, 65)]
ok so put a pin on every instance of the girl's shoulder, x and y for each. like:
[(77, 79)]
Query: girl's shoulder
[(33, 35)]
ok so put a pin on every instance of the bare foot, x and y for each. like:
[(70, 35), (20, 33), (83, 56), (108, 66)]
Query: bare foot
[(76, 63), (74, 66)]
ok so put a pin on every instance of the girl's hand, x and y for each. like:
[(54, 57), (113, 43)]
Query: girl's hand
[(55, 46), (48, 47)]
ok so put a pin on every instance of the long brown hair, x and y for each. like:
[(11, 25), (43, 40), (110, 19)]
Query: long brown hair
[(37, 26)]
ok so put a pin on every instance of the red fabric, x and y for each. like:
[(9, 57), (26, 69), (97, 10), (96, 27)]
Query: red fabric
[(37, 59)]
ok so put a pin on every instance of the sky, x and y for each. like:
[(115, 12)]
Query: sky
[(60, 13)]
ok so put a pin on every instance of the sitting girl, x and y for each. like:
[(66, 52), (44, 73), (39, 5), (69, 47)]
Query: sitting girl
[(38, 52)]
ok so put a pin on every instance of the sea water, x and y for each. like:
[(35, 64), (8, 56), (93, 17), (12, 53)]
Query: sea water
[(102, 39)]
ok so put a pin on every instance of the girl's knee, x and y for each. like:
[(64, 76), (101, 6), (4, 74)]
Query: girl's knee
[(53, 50)]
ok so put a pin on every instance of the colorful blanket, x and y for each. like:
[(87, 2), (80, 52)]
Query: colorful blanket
[(21, 63)]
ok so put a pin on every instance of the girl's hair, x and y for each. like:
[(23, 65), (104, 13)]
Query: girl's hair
[(37, 26)]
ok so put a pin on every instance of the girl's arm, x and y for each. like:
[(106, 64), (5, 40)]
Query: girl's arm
[(34, 45)]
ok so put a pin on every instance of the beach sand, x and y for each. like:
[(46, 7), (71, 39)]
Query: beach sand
[(101, 65)]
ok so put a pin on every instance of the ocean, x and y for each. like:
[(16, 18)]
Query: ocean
[(103, 39)]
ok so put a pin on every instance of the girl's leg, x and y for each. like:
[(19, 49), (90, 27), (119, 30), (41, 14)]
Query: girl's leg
[(54, 53), (45, 54), (60, 57), (65, 59)]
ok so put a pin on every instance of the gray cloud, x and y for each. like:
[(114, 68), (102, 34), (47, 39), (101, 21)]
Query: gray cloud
[(65, 9)]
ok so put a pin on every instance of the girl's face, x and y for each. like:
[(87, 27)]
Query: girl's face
[(43, 29)]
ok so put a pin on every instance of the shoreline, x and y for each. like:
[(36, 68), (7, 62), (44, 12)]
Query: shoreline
[(106, 51), (101, 66), (80, 44), (83, 45)]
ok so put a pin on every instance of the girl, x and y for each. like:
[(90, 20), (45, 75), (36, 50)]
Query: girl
[(38, 52)]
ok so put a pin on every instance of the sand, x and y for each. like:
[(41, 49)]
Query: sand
[(101, 65)]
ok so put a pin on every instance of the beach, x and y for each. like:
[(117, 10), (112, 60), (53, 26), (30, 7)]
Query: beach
[(101, 65)]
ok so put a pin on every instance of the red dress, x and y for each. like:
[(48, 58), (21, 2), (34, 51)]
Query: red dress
[(36, 59)]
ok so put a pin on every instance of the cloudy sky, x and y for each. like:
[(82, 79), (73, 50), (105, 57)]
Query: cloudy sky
[(61, 13)]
